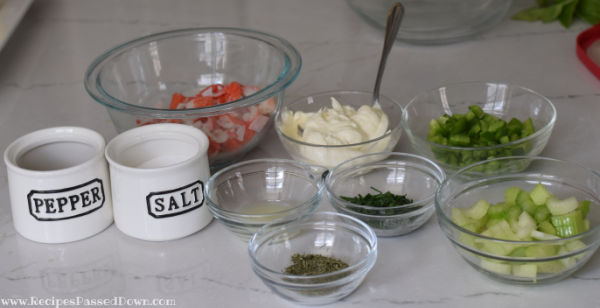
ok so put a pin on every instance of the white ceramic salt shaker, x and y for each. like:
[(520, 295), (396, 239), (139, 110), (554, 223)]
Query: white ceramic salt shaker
[(157, 174)]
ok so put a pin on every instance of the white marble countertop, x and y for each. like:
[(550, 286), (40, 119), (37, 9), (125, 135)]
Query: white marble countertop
[(41, 85)]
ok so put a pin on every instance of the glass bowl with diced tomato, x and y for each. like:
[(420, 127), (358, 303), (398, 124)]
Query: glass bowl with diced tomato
[(537, 221), (463, 123), (228, 82)]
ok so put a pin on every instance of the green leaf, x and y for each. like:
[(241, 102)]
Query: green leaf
[(589, 10), (567, 14), (548, 11)]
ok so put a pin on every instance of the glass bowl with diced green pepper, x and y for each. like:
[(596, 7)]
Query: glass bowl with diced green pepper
[(460, 124), (391, 192), (534, 225)]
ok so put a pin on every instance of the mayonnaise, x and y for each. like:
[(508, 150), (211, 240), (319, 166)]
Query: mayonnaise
[(338, 125)]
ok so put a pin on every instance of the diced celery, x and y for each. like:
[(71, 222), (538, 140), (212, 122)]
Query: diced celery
[(519, 252), (497, 249), (525, 225), (472, 226), (541, 213), (514, 212), (434, 128), (541, 236), (525, 202), (496, 267), (461, 140), (561, 207), (514, 126), (528, 128), (493, 221), (575, 245), (502, 231), (525, 270), (497, 212), (458, 217), (547, 227), (467, 239), (540, 251), (569, 224), (539, 194), (478, 210), (586, 224), (550, 267), (477, 111), (569, 261), (585, 207)]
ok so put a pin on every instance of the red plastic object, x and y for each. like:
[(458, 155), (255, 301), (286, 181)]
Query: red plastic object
[(584, 40)]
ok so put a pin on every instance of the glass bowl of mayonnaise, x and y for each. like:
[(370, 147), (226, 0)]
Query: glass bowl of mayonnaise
[(329, 128)]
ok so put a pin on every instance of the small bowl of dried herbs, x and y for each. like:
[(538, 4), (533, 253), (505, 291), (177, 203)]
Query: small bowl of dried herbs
[(391, 192), (315, 260)]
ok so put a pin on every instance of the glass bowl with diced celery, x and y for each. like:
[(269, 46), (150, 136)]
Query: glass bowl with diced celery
[(530, 225), (464, 123), (391, 192)]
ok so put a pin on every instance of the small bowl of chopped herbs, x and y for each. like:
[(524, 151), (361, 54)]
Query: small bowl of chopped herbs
[(391, 192), (534, 225), (315, 260), (460, 124)]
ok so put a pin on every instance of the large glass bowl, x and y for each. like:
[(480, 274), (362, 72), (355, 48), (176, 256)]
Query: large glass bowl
[(137, 80), (436, 21), (502, 100), (324, 233), (331, 155), (411, 175), (249, 194), (550, 260)]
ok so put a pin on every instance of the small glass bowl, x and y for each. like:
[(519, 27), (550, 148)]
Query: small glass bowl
[(402, 174), (249, 194), (136, 82), (502, 100), (563, 179), (325, 233), (331, 155)]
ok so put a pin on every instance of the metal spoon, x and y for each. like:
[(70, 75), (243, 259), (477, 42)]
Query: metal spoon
[(391, 30)]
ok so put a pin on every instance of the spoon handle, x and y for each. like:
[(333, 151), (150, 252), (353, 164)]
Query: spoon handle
[(391, 30)]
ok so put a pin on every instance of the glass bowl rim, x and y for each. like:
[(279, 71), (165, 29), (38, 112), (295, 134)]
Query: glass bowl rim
[(535, 135), (291, 69), (357, 269), (325, 146), (443, 218), (295, 210), (438, 174)]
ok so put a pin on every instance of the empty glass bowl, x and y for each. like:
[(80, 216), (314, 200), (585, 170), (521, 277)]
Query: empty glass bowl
[(249, 194), (521, 262), (324, 233), (144, 81), (436, 21), (399, 173)]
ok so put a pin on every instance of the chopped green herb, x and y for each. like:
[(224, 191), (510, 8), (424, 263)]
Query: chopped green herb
[(313, 264), (380, 199)]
